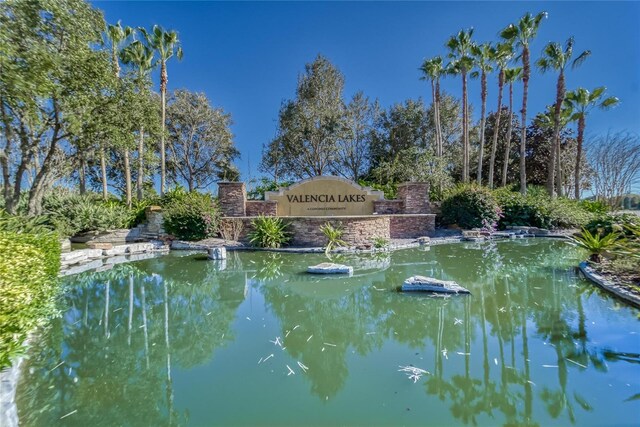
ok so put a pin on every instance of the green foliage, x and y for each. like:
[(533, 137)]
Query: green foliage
[(597, 244), (594, 206), (537, 209), (333, 235), (380, 242), (390, 189), (269, 232), (470, 206), (611, 222), (190, 216), (71, 213), (29, 265), (264, 185)]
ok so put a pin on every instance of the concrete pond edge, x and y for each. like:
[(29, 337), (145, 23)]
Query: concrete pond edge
[(617, 289)]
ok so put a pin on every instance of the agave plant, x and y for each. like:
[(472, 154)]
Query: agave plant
[(269, 232), (333, 235), (597, 244)]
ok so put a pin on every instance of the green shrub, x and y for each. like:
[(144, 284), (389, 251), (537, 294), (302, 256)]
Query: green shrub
[(597, 244), (71, 213), (380, 242), (389, 189), (29, 265), (190, 216), (333, 235), (269, 232), (594, 206), (609, 223), (470, 206)]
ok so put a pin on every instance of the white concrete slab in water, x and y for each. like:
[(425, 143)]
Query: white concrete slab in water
[(330, 268), (429, 284)]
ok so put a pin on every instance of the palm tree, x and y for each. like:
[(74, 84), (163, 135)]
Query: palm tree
[(556, 58), (582, 102), (511, 75), (521, 35), (432, 69), (483, 56), (116, 36), (503, 54), (461, 63), (142, 58), (166, 43)]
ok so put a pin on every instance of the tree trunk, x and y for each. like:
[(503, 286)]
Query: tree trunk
[(551, 174), (163, 96), (438, 125), (103, 174), (559, 174), (140, 177), (5, 155), (82, 175), (496, 128), (465, 130), (523, 137), (483, 96), (127, 177), (581, 126), (505, 167)]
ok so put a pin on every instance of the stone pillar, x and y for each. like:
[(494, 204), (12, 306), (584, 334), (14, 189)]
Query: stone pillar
[(232, 197), (415, 196)]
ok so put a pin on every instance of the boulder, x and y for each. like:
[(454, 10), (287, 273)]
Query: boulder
[(65, 245), (116, 250), (99, 245), (218, 253), (424, 240), (471, 233), (93, 253), (429, 284), (137, 248), (330, 268), (73, 257)]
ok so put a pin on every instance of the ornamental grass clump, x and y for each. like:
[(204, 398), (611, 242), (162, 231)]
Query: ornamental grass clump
[(598, 244), (269, 232), (333, 235)]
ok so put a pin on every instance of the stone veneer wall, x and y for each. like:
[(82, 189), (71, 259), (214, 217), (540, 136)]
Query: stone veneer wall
[(358, 230), (232, 197), (387, 207), (415, 196), (260, 207), (411, 226)]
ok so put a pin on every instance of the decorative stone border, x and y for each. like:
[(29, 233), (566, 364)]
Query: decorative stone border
[(617, 289)]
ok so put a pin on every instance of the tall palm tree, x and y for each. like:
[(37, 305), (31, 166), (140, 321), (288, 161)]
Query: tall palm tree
[(582, 102), (432, 69), (167, 45), (116, 36), (141, 57), (503, 54), (461, 63), (521, 35), (555, 57), (483, 56), (511, 75)]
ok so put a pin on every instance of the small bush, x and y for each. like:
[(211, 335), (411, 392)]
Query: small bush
[(597, 244), (190, 216), (609, 223), (333, 235), (594, 206), (29, 265), (470, 206), (380, 242), (269, 232)]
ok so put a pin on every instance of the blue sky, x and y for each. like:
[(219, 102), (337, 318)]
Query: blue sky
[(246, 56)]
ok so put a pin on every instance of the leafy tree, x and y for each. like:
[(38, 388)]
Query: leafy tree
[(201, 146), (50, 77), (167, 45), (521, 35), (503, 54), (460, 50), (309, 125), (555, 57), (582, 102), (353, 147)]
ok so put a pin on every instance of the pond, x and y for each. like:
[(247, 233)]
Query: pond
[(176, 340)]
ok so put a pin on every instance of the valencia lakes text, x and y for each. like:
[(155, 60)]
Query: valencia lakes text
[(326, 198)]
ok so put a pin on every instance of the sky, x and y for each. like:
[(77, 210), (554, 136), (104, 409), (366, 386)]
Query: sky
[(246, 56)]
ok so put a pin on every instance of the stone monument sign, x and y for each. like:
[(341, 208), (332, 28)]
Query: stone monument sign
[(324, 196)]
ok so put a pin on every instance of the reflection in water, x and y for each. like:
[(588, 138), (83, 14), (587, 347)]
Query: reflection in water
[(532, 344)]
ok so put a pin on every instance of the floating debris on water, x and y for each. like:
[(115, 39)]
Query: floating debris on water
[(457, 321), (248, 318), (291, 372), (276, 341), (303, 367), (413, 373), (549, 366), (70, 413), (329, 344), (576, 363), (310, 336)]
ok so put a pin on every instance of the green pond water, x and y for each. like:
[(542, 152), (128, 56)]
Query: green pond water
[(253, 341)]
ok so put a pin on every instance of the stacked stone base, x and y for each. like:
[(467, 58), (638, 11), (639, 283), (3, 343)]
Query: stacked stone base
[(357, 230)]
